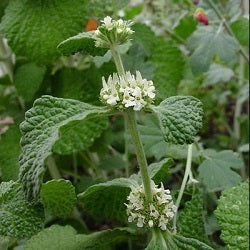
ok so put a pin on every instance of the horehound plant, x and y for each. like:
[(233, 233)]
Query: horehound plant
[(144, 202)]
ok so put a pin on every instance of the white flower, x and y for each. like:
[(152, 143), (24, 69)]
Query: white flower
[(127, 91), (112, 32), (153, 214), (107, 22), (151, 223)]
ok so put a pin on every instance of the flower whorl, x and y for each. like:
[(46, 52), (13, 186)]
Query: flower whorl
[(154, 214)]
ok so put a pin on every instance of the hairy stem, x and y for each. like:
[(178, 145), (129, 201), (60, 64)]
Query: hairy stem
[(227, 26), (121, 71), (53, 170), (183, 184), (117, 60), (141, 158)]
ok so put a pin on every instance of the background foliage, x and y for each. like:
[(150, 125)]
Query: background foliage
[(83, 185)]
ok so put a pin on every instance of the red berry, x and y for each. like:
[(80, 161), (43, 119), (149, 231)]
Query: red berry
[(201, 18)]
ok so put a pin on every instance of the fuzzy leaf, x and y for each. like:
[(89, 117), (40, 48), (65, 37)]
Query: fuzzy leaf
[(83, 42), (58, 197), (10, 150), (34, 29), (65, 238), (183, 243), (190, 219), (41, 130), (79, 136), (106, 200), (233, 216), (18, 217), (206, 43), (160, 170), (216, 173), (27, 79), (217, 73), (180, 118)]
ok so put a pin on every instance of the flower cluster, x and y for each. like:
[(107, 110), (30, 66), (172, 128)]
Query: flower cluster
[(112, 32), (127, 91), (154, 214)]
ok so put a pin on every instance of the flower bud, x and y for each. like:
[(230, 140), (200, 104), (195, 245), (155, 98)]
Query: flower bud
[(127, 91), (157, 213), (113, 32), (201, 17)]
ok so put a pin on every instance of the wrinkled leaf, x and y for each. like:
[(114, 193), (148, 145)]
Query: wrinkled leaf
[(34, 29), (18, 217), (180, 118), (233, 216), (41, 130), (58, 197)]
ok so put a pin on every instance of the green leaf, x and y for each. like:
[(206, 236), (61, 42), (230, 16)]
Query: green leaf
[(241, 30), (106, 200), (10, 150), (18, 217), (79, 135), (183, 243), (105, 239), (166, 240), (167, 58), (180, 118), (65, 238), (34, 29), (160, 170), (206, 43), (153, 142), (217, 73), (54, 238), (41, 130), (27, 80), (233, 216), (215, 172), (190, 218), (58, 197), (186, 27), (83, 42)]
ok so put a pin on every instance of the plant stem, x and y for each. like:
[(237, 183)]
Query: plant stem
[(121, 71), (54, 172), (238, 104), (183, 184), (141, 158), (227, 26), (117, 60)]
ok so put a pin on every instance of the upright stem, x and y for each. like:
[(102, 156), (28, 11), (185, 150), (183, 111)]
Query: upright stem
[(54, 172), (141, 158), (121, 71), (227, 26), (118, 60), (184, 182)]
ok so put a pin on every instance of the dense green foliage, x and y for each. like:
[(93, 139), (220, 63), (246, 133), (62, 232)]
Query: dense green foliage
[(68, 163)]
